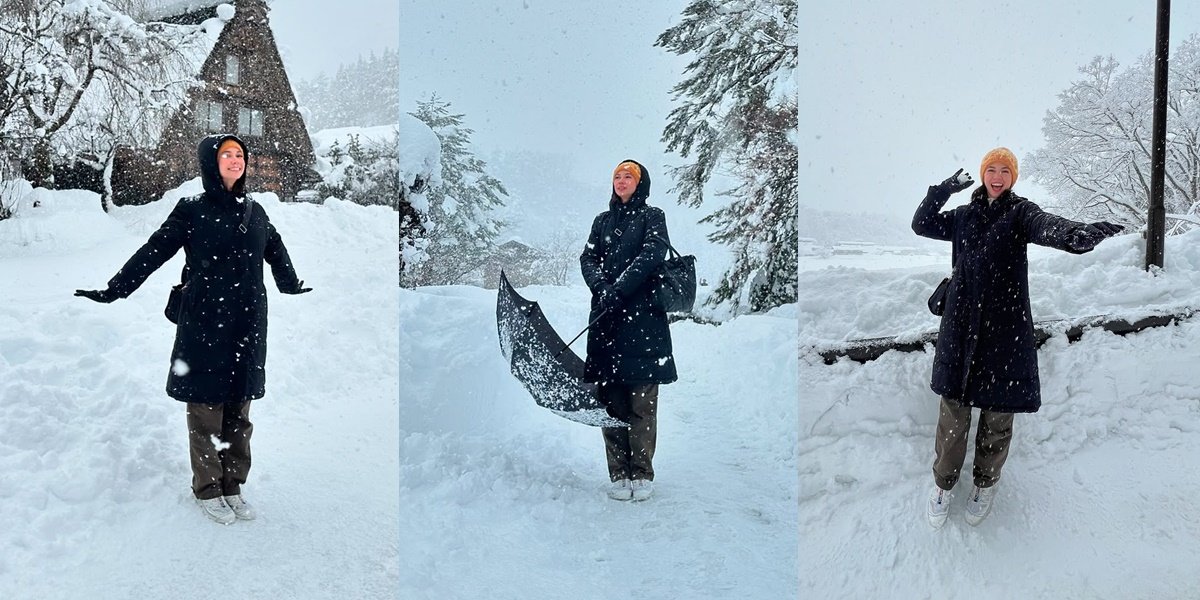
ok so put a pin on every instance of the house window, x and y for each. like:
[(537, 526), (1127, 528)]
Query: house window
[(231, 69), (210, 116), (250, 121)]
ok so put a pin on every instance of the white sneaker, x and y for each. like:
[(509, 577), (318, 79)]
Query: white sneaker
[(939, 507), (620, 490), (217, 510), (241, 509), (642, 489), (980, 504)]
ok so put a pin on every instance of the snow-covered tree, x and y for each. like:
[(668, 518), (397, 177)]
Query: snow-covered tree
[(738, 117), (54, 52), (460, 227), (559, 259), (364, 93), (420, 156), (365, 171), (1096, 159)]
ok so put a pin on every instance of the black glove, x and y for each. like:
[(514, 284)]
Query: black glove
[(610, 300), (105, 295), (299, 289), (956, 182), (1108, 229), (1085, 239)]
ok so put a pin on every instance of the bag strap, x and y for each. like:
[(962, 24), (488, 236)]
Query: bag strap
[(246, 217), (673, 252)]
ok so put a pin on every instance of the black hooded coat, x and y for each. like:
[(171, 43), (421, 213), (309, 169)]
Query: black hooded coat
[(220, 347), (986, 354), (626, 245)]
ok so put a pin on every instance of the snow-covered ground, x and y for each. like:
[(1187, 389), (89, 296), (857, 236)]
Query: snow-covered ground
[(503, 499), (95, 497), (1097, 499)]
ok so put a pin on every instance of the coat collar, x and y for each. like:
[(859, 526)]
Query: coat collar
[(979, 199)]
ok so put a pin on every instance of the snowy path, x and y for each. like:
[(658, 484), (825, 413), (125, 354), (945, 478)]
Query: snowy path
[(1097, 499), (504, 499), (94, 475)]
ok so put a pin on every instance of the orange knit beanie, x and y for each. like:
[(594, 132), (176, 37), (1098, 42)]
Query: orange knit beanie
[(1000, 155), (631, 168), (226, 144)]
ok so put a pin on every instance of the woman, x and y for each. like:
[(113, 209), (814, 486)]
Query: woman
[(986, 356), (629, 347), (217, 364)]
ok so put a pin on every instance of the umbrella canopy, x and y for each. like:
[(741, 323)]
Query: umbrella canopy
[(536, 355)]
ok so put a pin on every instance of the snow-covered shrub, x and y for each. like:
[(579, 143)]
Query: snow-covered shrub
[(363, 171)]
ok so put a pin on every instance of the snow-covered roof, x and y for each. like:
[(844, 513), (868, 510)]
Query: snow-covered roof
[(323, 139), (170, 8), (156, 10)]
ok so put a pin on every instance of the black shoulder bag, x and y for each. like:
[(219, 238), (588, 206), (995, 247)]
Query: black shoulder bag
[(675, 282), (175, 298), (937, 300)]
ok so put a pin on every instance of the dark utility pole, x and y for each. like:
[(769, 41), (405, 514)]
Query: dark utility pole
[(1156, 223)]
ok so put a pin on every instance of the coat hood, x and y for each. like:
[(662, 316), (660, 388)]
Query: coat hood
[(640, 193), (206, 153)]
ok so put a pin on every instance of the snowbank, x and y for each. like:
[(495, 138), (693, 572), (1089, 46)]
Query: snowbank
[(843, 303), (490, 480), (1096, 498), (94, 474)]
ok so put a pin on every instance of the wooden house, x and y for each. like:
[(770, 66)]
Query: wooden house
[(240, 86)]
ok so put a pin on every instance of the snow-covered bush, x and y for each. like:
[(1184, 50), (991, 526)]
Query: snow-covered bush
[(363, 171)]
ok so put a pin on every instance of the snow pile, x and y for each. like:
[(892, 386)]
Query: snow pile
[(1093, 502), (42, 216), (93, 455), (490, 480), (420, 157), (843, 303)]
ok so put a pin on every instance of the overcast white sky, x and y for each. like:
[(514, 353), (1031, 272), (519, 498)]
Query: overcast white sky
[(316, 36), (574, 78), (894, 96)]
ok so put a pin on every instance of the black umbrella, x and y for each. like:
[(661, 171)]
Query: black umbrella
[(540, 360)]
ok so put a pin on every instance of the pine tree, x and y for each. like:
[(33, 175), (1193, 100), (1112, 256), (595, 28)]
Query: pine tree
[(361, 94), (460, 227), (738, 114)]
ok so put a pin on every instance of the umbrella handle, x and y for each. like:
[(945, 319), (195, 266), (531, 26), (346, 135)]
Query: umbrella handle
[(589, 326)]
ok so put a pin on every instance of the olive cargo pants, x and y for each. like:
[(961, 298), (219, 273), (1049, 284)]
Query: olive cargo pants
[(992, 440), (630, 449), (219, 440)]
